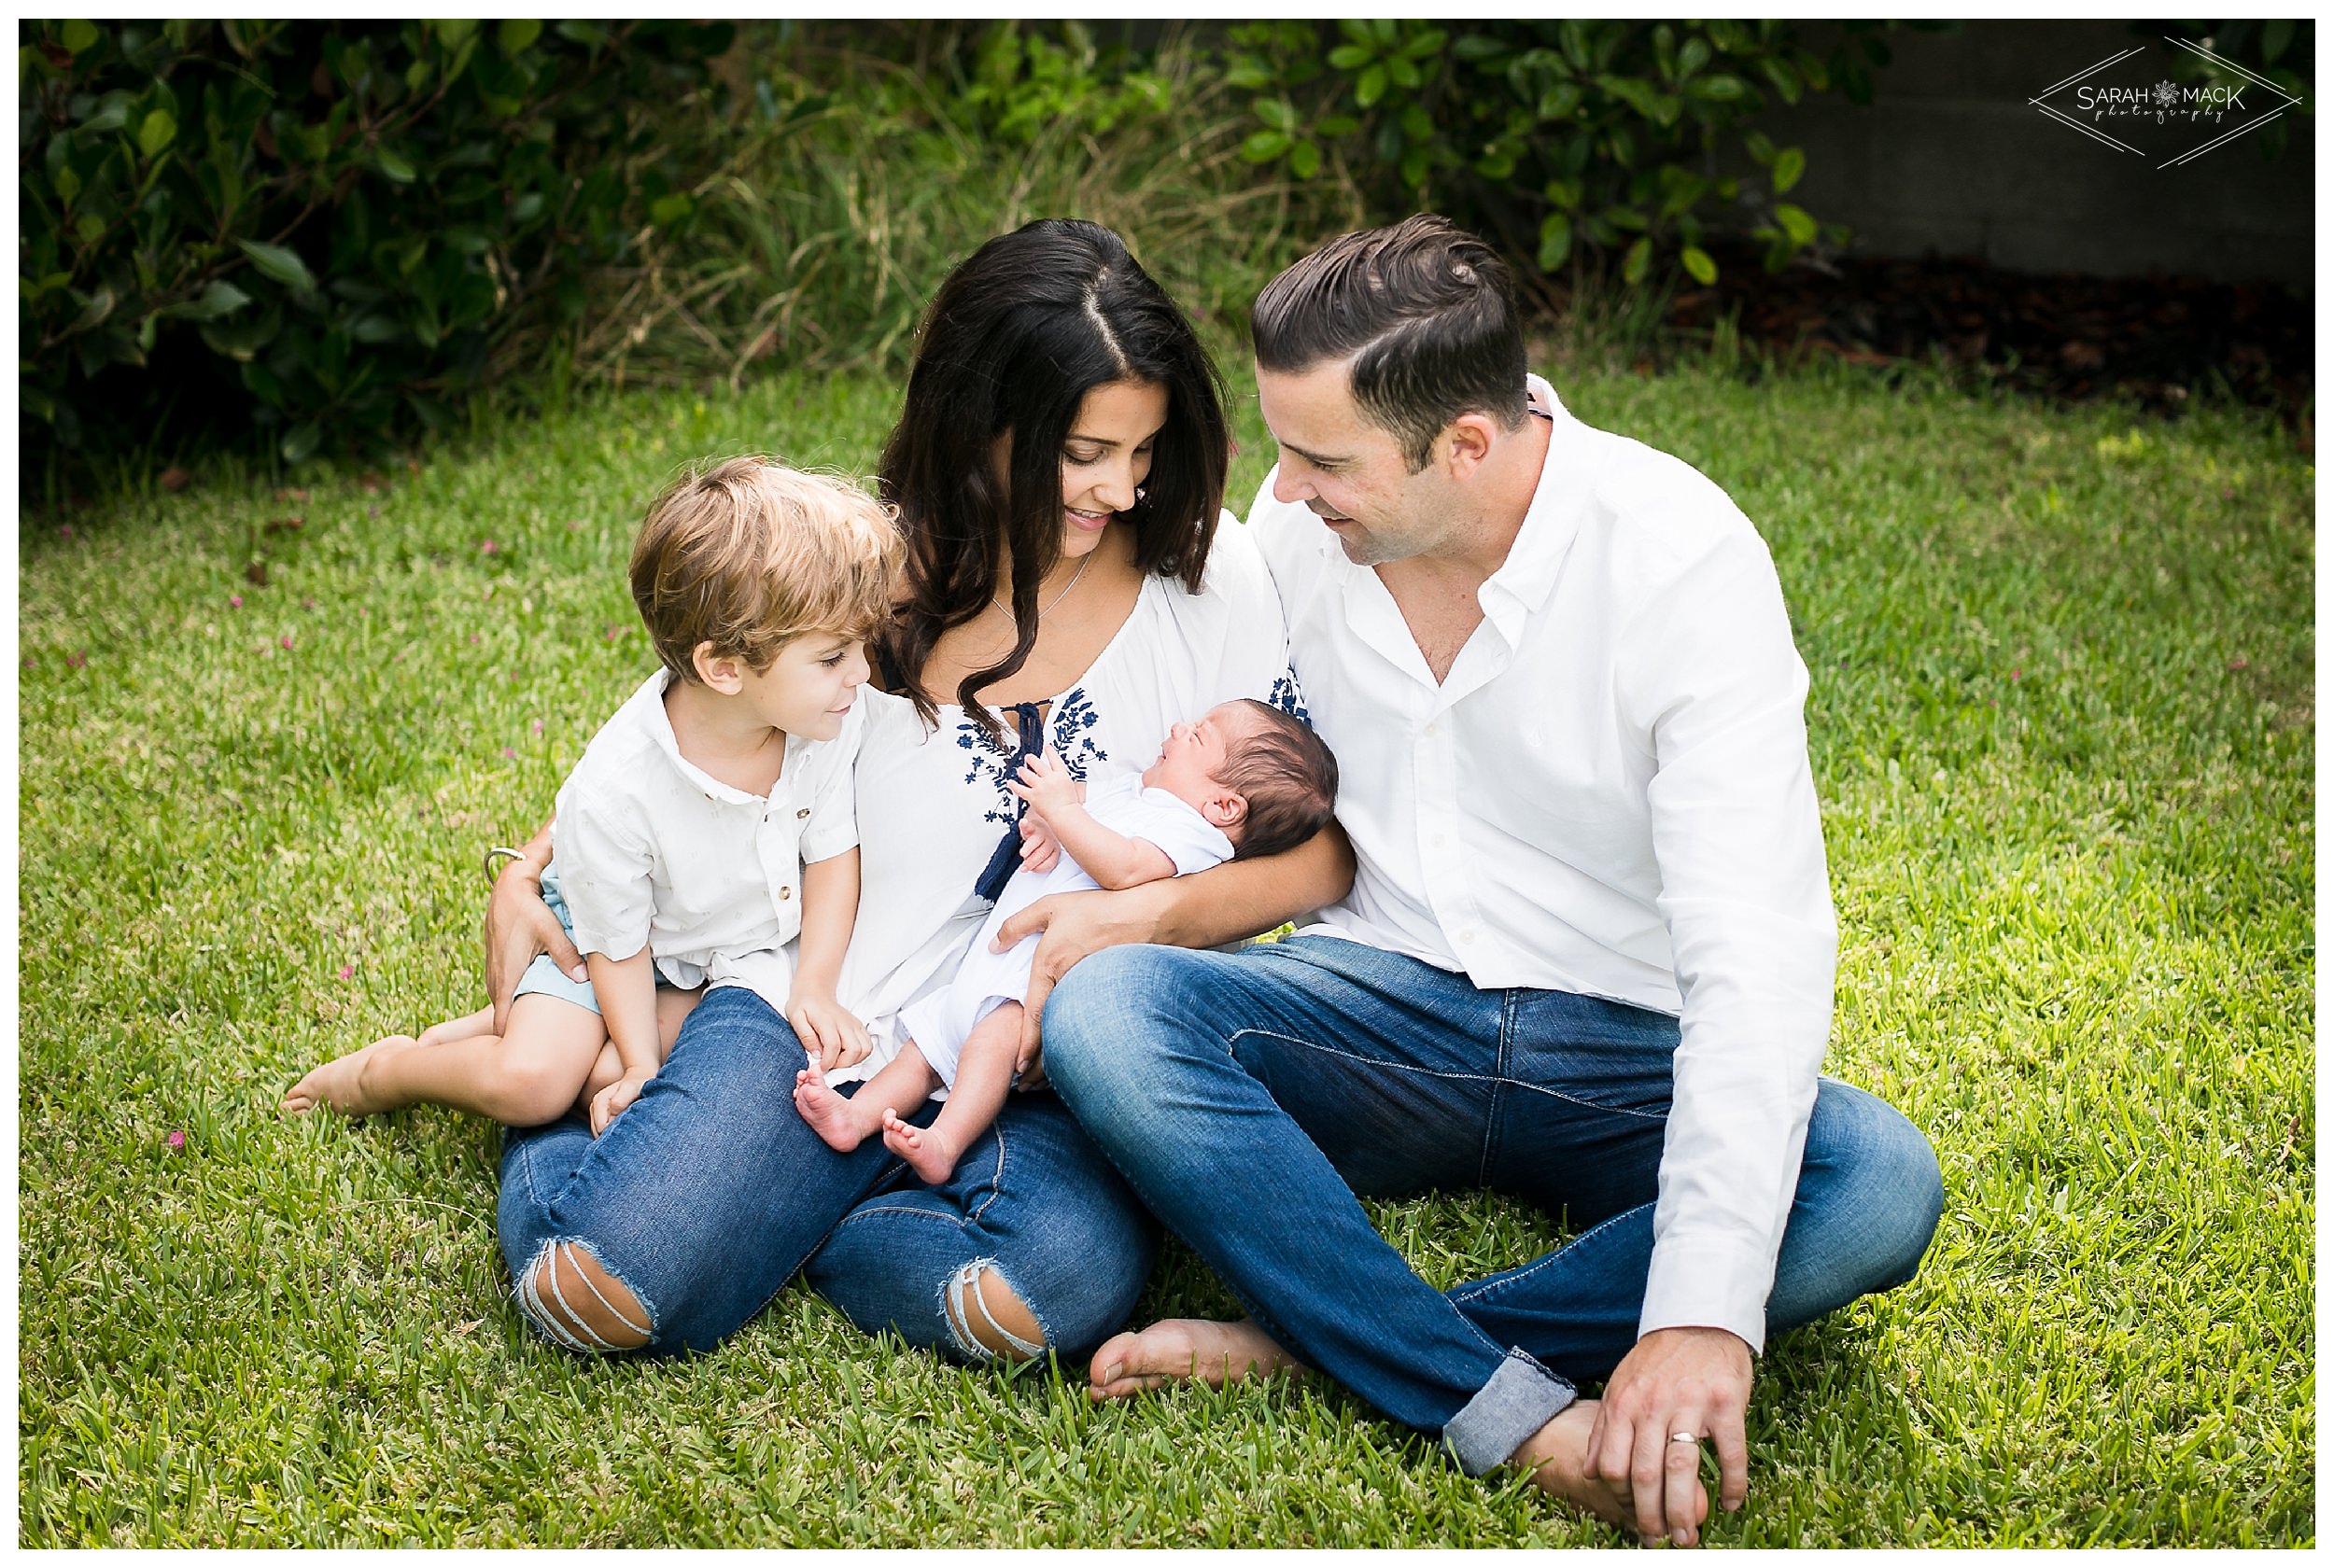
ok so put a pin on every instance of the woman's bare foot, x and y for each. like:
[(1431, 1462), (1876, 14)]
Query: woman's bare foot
[(1557, 1457), (1184, 1349), (835, 1117), (340, 1082), (929, 1152)]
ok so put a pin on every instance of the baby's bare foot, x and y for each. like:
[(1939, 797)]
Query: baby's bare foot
[(929, 1152), (340, 1082), (833, 1117), (1184, 1349)]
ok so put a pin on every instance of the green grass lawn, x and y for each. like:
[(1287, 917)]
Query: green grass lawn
[(2062, 721)]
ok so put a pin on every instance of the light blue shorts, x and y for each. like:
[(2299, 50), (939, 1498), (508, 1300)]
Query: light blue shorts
[(543, 976)]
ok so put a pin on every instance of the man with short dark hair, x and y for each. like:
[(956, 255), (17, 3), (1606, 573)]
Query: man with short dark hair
[(1587, 958)]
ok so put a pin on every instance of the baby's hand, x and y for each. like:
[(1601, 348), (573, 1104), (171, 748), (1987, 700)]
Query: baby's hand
[(1040, 850), (830, 1034), (611, 1102), (1044, 785)]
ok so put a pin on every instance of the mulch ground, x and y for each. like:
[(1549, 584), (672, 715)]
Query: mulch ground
[(2158, 341)]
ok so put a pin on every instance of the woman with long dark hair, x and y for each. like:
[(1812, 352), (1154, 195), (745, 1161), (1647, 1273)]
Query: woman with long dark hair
[(1058, 470)]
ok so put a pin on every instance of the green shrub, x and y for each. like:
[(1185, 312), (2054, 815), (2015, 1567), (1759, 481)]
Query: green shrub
[(318, 229), (1550, 136)]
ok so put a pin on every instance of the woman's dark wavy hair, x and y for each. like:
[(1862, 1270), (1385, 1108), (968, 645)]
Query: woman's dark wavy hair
[(1018, 335)]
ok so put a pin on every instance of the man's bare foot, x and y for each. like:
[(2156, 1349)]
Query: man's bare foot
[(929, 1152), (1557, 1457), (340, 1082), (835, 1117), (1182, 1351)]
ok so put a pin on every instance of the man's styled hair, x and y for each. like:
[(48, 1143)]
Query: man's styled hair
[(1427, 313), (749, 555), (1287, 776)]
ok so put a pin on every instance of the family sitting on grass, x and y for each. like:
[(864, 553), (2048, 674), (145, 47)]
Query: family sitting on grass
[(1567, 934)]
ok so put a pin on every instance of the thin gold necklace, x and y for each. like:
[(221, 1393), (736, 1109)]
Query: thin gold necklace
[(1083, 563)]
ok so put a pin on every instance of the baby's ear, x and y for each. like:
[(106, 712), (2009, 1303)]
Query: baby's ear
[(1225, 810)]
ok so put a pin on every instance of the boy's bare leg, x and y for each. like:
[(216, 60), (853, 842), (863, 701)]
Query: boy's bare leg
[(846, 1122), (984, 1074), (522, 1078), (470, 1026)]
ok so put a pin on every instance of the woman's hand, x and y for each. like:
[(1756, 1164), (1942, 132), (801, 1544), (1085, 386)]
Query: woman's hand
[(1073, 925), (830, 1034), (520, 925), (611, 1102)]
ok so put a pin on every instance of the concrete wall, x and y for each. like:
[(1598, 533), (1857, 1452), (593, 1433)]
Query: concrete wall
[(1951, 158)]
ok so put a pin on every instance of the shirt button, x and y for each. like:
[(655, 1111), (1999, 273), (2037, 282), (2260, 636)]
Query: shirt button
[(786, 892), (800, 815)]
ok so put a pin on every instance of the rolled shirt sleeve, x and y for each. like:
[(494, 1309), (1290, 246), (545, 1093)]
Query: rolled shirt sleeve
[(607, 869)]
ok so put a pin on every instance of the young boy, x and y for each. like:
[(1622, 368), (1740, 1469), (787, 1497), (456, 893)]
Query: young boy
[(708, 824), (1247, 779)]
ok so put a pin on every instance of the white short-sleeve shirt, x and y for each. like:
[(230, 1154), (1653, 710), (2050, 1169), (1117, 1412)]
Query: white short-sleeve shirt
[(653, 849), (1609, 794), (933, 802)]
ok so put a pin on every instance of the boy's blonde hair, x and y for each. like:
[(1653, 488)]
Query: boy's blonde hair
[(750, 554)]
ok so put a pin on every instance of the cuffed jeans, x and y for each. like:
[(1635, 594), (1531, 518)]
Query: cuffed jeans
[(1249, 1098), (710, 1191)]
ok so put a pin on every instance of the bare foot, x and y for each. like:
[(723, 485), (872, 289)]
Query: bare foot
[(340, 1082), (835, 1117), (1184, 1349), (1557, 1457), (928, 1153)]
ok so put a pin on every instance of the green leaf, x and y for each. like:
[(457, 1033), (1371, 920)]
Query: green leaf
[(68, 184), (301, 442), (218, 298), (1555, 241), (1349, 57), (157, 132), (1786, 80), (1719, 89), (1371, 87), (78, 37), (1789, 164), (1796, 222), (666, 211), (1403, 72), (280, 264), (1692, 55), (1304, 159), (1634, 265), (396, 168), (1264, 145), (510, 36), (1698, 262), (455, 33), (1278, 114), (1758, 146)]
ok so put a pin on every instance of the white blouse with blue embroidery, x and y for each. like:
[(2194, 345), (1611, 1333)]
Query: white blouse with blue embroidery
[(933, 807)]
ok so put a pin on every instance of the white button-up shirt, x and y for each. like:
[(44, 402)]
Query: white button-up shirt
[(653, 849), (1608, 794)]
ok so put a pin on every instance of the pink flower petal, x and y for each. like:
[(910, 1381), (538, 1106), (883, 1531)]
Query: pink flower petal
[(347, 969), (234, 601), (287, 639), (176, 1139)]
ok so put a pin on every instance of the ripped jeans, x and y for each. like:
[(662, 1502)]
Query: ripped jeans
[(710, 1191)]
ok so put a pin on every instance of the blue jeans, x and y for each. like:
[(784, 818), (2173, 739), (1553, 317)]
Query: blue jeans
[(1249, 1098), (710, 1191)]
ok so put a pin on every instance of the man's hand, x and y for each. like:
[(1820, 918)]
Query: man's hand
[(611, 1102), (1073, 925), (1040, 850), (519, 925), (1694, 1380), (830, 1034)]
